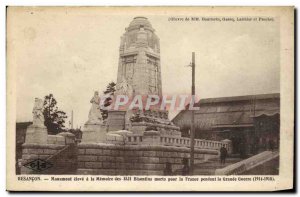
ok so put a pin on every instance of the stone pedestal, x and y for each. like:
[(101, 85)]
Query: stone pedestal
[(69, 137), (93, 133), (116, 120), (36, 134)]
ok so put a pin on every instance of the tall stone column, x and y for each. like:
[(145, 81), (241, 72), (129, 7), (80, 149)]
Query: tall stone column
[(139, 74), (139, 60)]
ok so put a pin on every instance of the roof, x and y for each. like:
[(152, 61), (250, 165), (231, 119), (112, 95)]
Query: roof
[(230, 112), (240, 98)]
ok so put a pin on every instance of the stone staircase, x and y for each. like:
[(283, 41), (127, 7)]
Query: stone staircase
[(209, 167), (64, 162)]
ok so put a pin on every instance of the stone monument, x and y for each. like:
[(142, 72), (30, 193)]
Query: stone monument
[(37, 132), (94, 129), (139, 73), (139, 59), (138, 141)]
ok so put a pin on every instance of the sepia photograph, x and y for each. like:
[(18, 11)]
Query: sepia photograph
[(150, 95)]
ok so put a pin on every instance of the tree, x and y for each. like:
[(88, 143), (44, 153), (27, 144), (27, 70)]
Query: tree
[(110, 91), (54, 118)]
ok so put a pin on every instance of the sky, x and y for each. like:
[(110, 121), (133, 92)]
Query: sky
[(72, 53)]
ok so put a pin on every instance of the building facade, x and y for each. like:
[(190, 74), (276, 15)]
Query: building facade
[(251, 122)]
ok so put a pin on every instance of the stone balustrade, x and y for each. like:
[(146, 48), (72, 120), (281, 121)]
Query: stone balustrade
[(247, 164), (170, 135), (134, 139), (179, 142), (140, 127), (186, 142)]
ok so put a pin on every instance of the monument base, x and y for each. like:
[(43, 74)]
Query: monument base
[(36, 135), (93, 133), (111, 159), (116, 120)]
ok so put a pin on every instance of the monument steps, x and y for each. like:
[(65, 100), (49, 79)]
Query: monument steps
[(65, 161)]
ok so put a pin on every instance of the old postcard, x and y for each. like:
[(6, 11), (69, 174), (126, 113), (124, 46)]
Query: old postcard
[(150, 98)]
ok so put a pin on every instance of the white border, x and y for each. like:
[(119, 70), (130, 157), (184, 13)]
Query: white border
[(4, 3)]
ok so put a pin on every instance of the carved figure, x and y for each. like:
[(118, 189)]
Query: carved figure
[(37, 112), (95, 113), (124, 88)]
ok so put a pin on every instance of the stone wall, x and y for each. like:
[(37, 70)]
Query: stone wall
[(111, 159), (56, 139), (32, 152)]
